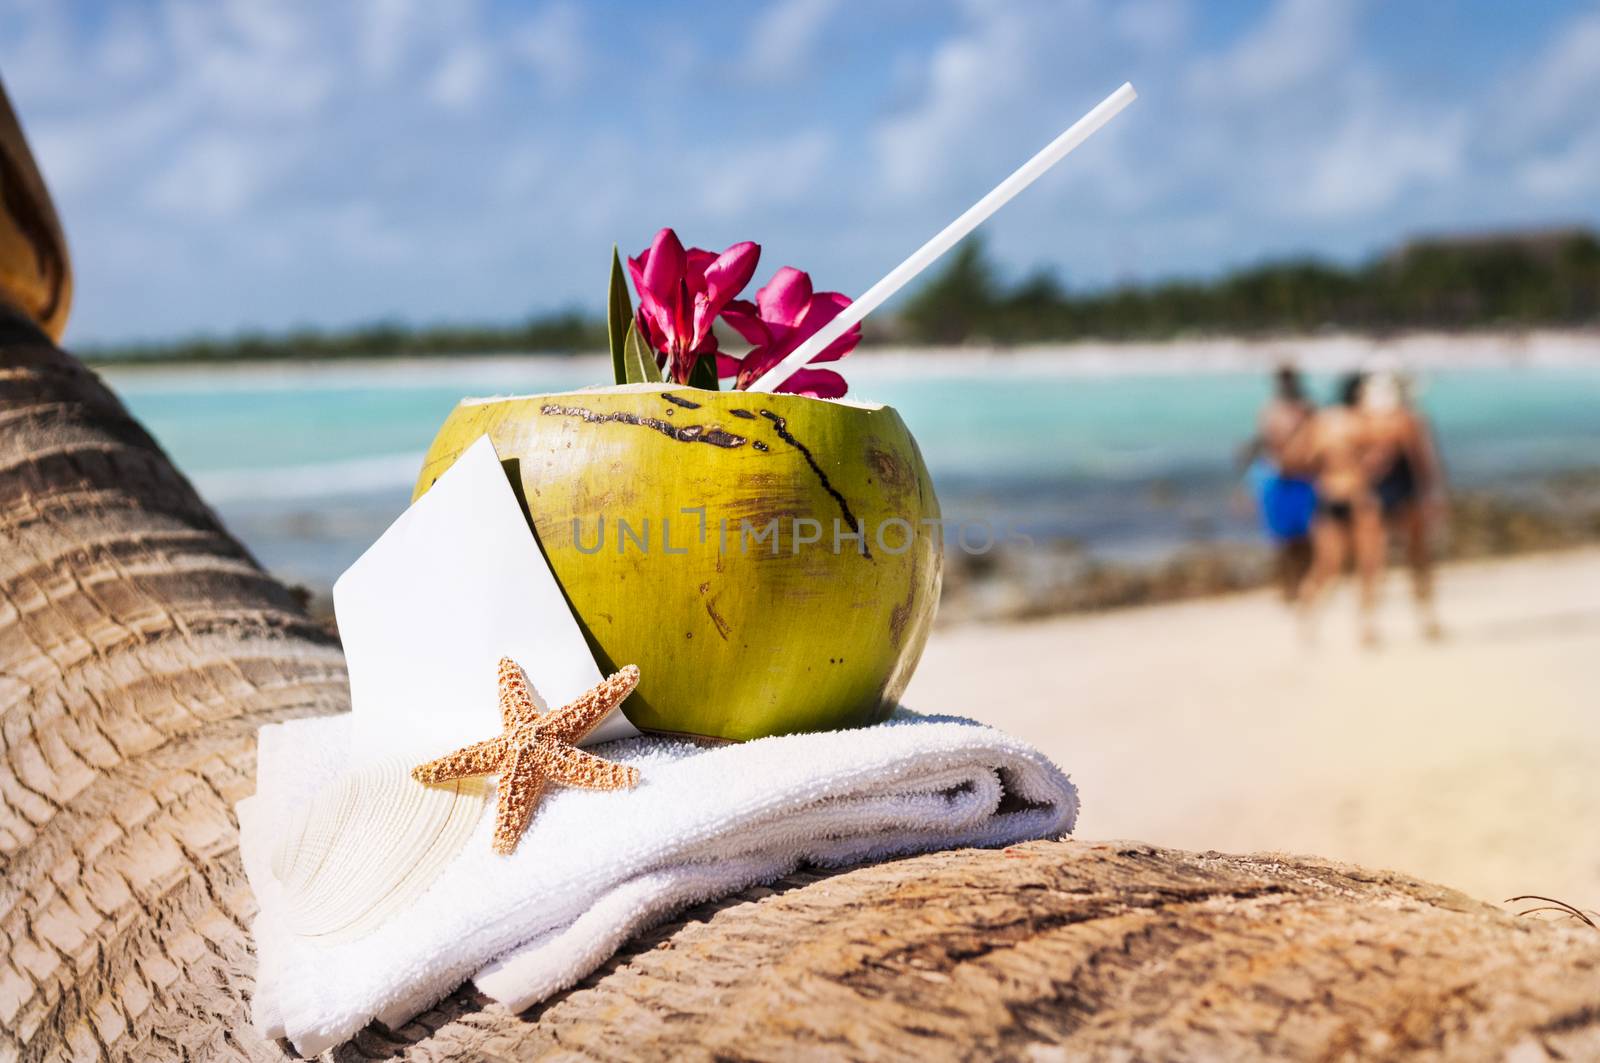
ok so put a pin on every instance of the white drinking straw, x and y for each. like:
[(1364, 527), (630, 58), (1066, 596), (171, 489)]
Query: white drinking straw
[(929, 252)]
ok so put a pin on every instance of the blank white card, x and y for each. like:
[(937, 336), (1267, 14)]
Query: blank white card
[(456, 583)]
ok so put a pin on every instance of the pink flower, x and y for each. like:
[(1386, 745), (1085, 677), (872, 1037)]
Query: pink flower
[(682, 292), (785, 314)]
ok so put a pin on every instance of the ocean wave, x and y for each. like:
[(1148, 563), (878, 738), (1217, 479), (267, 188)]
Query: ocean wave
[(383, 473)]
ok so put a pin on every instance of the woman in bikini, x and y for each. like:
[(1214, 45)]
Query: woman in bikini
[(1336, 446), (1408, 481)]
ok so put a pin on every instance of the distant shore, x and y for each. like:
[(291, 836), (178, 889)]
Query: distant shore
[(1554, 512), (1323, 352)]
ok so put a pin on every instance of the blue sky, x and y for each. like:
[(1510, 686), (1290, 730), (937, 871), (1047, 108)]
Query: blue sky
[(228, 165)]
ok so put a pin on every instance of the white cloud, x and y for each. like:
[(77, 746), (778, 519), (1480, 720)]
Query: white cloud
[(126, 48), (39, 54), (385, 33), (84, 147), (1378, 154), (767, 174), (970, 80), (360, 232), (461, 77), (217, 176), (250, 60), (784, 37), (582, 190), (1294, 119), (1156, 25), (1296, 43), (1012, 79), (1545, 122), (1564, 173), (552, 44), (1563, 81)]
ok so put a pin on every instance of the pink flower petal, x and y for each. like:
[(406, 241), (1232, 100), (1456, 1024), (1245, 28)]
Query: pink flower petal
[(663, 267), (727, 275), (707, 345), (742, 315), (818, 312), (685, 335), (702, 319), (839, 347), (636, 271), (696, 261), (818, 383), (785, 297), (785, 314), (755, 364), (825, 306)]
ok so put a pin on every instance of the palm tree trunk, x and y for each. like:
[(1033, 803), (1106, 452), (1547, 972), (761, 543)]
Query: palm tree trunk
[(141, 646)]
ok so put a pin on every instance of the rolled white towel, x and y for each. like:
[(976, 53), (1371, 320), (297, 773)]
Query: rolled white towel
[(597, 867)]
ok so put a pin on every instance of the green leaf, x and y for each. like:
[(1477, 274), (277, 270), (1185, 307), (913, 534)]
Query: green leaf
[(638, 360), (619, 317), (704, 373)]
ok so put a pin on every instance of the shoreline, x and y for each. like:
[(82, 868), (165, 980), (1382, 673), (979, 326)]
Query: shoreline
[(1332, 352), (1553, 512), (1080, 585)]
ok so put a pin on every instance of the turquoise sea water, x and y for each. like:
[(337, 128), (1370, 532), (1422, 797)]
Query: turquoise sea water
[(308, 464)]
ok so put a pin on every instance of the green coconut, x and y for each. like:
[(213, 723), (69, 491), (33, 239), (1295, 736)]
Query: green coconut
[(770, 562)]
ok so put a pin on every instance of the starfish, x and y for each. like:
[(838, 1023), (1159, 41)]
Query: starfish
[(536, 749)]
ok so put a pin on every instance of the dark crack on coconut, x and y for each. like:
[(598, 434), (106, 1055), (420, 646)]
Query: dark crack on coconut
[(781, 427), (715, 435)]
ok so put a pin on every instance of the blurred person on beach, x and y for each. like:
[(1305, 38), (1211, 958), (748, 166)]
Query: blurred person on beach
[(1408, 481), (1336, 445), (1284, 494)]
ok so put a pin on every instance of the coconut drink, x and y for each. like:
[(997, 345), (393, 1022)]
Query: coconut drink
[(769, 558), (769, 561)]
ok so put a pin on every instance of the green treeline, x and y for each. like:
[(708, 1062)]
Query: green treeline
[(1534, 279), (1515, 280), (559, 333)]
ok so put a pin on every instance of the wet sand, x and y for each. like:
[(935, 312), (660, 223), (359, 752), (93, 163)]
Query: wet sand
[(1474, 761)]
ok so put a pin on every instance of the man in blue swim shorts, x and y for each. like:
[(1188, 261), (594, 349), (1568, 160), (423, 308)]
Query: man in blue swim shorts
[(1284, 497)]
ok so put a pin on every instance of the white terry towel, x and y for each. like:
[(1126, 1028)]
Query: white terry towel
[(594, 868)]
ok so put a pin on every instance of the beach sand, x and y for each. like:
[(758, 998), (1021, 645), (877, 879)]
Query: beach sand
[(1473, 762)]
